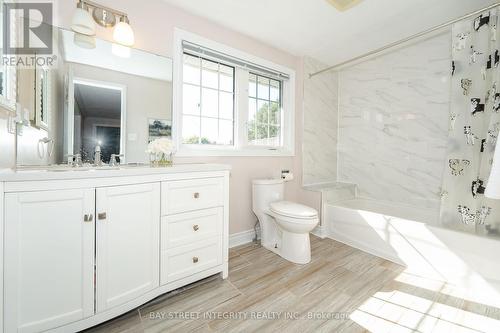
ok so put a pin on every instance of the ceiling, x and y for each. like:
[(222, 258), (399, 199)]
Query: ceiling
[(317, 29), (98, 102)]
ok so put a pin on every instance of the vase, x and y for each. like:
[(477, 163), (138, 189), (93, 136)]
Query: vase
[(162, 160)]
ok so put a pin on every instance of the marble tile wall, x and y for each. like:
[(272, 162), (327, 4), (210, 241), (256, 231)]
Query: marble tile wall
[(319, 145), (393, 123)]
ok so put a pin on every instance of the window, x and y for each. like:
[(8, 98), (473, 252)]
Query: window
[(208, 102), (227, 102), (42, 98), (8, 78), (264, 111)]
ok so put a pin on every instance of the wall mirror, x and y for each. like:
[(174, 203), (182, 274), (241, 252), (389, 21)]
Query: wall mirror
[(99, 96)]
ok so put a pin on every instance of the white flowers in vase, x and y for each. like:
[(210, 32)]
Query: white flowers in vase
[(161, 151)]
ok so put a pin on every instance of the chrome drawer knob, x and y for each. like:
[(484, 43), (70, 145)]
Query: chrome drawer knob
[(196, 227), (195, 260), (101, 216), (196, 195), (88, 218)]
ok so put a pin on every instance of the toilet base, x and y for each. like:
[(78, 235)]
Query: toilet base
[(296, 247), (292, 247)]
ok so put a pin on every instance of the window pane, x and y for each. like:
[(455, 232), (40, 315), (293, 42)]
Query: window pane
[(251, 132), (274, 114), (262, 133), (252, 86), (209, 131), (209, 103), (210, 76), (190, 130), (262, 112), (191, 99), (263, 88), (225, 132), (275, 91), (226, 78), (225, 105), (274, 136), (252, 109), (191, 70)]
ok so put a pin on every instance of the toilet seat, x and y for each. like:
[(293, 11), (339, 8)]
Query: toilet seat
[(293, 210)]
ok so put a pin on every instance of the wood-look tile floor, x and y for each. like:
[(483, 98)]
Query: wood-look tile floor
[(342, 290)]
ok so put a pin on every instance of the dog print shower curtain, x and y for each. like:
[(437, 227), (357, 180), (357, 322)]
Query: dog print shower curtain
[(474, 126)]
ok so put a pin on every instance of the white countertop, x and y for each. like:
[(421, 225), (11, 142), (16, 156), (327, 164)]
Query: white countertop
[(10, 175)]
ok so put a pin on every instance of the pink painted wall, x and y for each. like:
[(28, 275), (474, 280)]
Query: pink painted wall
[(153, 23)]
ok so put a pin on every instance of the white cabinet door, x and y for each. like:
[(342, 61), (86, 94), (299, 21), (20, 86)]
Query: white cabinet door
[(49, 258), (128, 245)]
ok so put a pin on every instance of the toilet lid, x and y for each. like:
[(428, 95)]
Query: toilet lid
[(292, 209)]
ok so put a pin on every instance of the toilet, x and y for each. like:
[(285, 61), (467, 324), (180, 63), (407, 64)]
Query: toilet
[(284, 225)]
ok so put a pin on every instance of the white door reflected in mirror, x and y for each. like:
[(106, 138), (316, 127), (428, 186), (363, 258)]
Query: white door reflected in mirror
[(99, 120)]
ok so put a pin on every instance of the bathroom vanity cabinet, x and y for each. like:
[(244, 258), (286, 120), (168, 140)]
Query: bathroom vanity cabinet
[(82, 247)]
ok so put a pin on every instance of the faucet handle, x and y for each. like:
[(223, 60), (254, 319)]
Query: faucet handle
[(113, 161), (75, 159), (78, 160), (71, 158)]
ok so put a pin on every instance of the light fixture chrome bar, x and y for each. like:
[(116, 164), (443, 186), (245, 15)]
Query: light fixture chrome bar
[(402, 41), (111, 10)]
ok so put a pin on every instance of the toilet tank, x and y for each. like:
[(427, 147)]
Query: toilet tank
[(265, 191)]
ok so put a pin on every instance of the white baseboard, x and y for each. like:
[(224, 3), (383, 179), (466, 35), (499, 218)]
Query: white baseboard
[(241, 238)]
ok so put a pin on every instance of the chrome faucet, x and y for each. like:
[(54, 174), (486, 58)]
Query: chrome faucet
[(97, 156), (75, 160), (113, 162)]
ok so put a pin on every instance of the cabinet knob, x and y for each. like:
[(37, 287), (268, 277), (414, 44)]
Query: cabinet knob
[(88, 218), (101, 216), (196, 227), (196, 195), (195, 260)]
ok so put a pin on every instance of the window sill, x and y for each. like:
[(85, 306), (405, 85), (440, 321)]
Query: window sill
[(185, 152)]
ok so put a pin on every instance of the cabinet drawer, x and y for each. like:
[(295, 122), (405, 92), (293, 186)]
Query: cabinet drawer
[(191, 227), (188, 260), (188, 195)]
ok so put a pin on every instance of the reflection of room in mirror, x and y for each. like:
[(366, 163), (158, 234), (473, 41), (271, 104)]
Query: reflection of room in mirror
[(92, 96), (98, 112)]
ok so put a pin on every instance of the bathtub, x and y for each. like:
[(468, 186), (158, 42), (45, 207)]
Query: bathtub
[(411, 237)]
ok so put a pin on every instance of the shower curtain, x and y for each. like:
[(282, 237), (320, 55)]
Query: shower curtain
[(474, 126)]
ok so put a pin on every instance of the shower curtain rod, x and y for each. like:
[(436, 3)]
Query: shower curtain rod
[(402, 41)]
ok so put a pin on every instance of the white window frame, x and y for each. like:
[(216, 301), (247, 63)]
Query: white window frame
[(240, 147)]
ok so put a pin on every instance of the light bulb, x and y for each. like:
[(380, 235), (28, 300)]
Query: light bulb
[(82, 21), (123, 33)]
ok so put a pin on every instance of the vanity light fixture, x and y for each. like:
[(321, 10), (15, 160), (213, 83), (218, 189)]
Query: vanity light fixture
[(84, 23), (123, 33)]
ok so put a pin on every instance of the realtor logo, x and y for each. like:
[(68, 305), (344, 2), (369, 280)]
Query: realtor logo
[(23, 30)]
